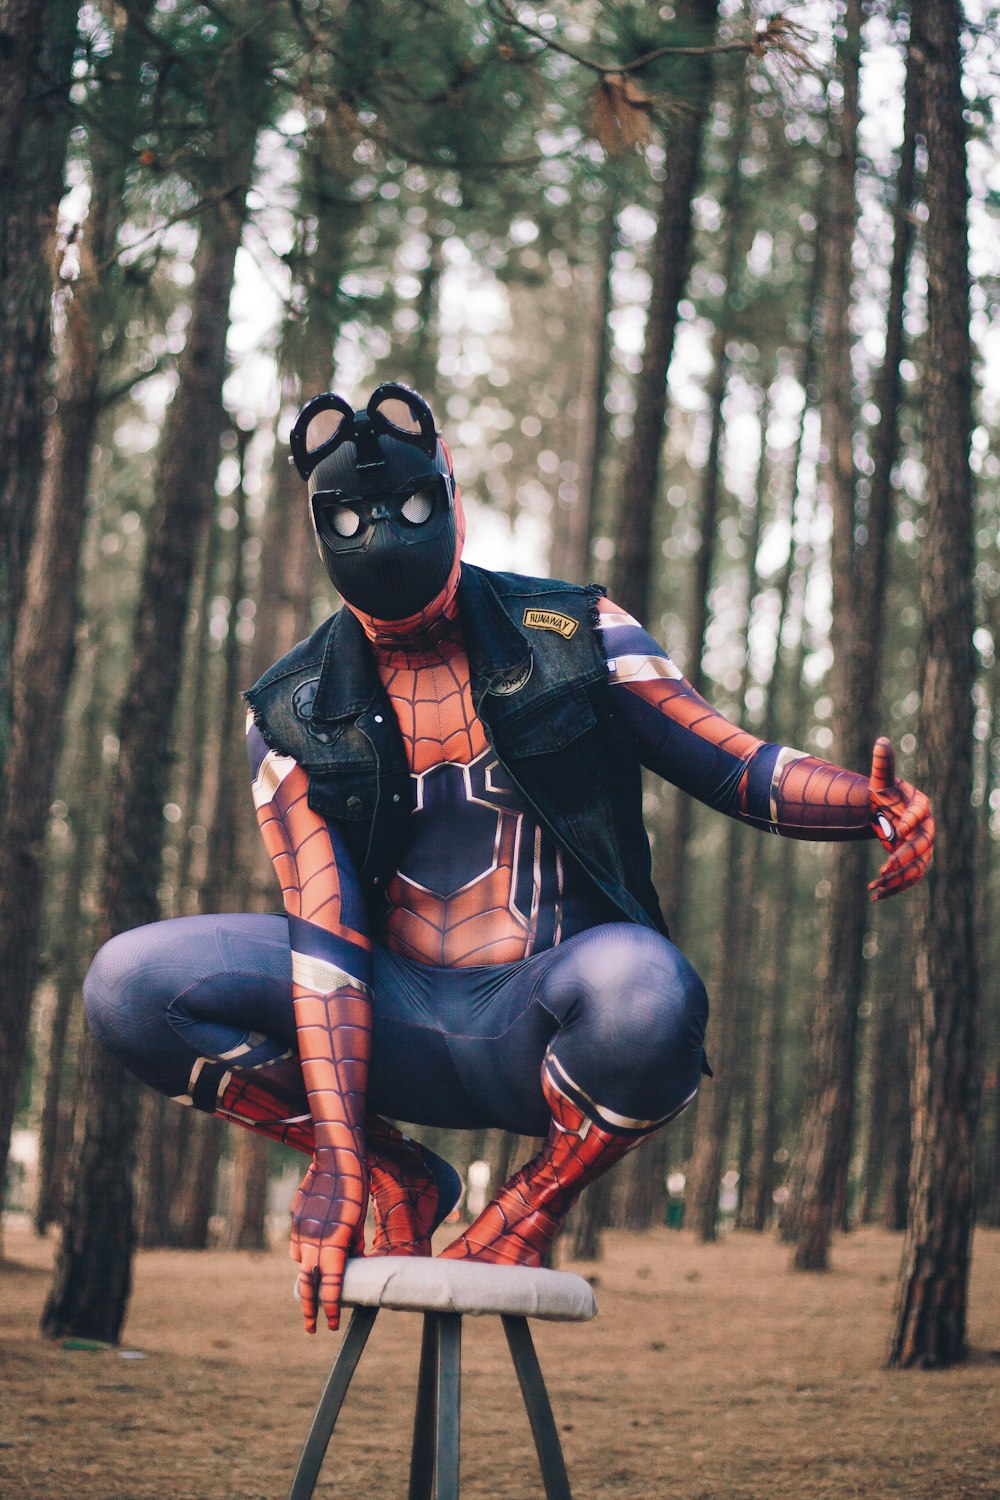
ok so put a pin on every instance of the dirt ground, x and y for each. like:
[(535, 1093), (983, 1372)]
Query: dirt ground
[(710, 1372)]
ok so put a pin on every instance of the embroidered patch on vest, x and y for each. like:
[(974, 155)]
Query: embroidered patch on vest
[(511, 682), (551, 619), (302, 704)]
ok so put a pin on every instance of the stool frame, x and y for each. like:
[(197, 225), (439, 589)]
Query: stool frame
[(435, 1452)]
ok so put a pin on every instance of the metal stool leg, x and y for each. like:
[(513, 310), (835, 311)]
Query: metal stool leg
[(448, 1406), (330, 1403), (425, 1421), (536, 1400)]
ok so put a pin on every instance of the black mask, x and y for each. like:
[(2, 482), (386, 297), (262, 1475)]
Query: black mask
[(386, 527)]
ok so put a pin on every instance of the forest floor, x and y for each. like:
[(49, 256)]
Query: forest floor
[(712, 1373)]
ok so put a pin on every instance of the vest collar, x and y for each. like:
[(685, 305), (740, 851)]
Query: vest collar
[(348, 681)]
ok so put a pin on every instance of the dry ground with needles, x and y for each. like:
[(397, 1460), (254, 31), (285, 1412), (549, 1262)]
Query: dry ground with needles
[(712, 1373)]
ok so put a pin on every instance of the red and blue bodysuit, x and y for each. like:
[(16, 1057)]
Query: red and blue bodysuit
[(489, 981)]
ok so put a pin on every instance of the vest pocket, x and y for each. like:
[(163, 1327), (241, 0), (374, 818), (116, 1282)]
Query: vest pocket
[(349, 796), (540, 729)]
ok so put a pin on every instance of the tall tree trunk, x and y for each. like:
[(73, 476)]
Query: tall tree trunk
[(631, 576), (195, 725), (92, 1280), (573, 526), (36, 45), (988, 1195), (74, 919), (819, 1180), (417, 362), (47, 621), (672, 864), (886, 1144), (165, 1132), (757, 1177), (192, 1208), (930, 1318), (230, 789), (730, 1033), (898, 1125), (878, 1145), (246, 1227), (194, 1199), (819, 1186)]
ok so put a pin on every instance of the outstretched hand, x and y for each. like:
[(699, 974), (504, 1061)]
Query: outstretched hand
[(902, 818), (327, 1226)]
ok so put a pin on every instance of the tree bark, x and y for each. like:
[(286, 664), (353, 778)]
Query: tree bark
[(92, 1281), (230, 791), (36, 45), (44, 646), (191, 1208), (730, 1033), (573, 525), (194, 725), (246, 1228), (930, 1318), (988, 1195), (819, 1179), (772, 945), (819, 1186), (197, 1177), (887, 1135), (69, 940), (672, 864), (631, 577)]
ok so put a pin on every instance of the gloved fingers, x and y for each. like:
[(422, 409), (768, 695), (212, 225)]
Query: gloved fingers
[(308, 1280), (916, 812), (883, 774), (906, 865), (332, 1260)]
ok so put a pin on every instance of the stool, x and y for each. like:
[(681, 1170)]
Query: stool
[(445, 1291)]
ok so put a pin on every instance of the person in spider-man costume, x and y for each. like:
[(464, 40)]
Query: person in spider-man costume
[(447, 779)]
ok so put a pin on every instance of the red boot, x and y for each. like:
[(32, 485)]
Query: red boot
[(247, 1100), (522, 1221), (412, 1189)]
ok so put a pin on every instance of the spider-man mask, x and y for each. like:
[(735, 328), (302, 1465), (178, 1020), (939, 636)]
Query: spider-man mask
[(382, 496)]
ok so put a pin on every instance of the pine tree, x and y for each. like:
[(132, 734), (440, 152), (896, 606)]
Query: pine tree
[(92, 1281), (48, 616), (930, 1319), (36, 53)]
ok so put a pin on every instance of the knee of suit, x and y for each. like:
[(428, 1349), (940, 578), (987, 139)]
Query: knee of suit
[(633, 1037), (125, 998), (105, 1004)]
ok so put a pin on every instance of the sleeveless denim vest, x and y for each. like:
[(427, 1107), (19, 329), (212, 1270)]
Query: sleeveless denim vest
[(540, 687)]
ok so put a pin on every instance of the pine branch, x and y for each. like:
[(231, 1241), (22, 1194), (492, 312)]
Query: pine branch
[(778, 35), (108, 398)]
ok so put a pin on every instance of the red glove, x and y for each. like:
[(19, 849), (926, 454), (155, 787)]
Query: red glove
[(903, 822), (328, 1214)]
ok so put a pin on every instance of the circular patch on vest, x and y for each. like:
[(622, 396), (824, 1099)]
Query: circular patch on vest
[(513, 681)]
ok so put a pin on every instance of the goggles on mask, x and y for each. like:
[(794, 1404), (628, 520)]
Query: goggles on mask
[(416, 512), (394, 410)]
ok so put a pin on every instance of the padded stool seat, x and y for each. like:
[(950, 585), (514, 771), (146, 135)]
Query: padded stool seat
[(445, 1291)]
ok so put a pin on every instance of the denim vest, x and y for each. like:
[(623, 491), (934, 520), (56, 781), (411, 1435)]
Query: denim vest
[(540, 687)]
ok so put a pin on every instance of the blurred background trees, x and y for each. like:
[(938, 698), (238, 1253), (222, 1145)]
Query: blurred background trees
[(667, 275)]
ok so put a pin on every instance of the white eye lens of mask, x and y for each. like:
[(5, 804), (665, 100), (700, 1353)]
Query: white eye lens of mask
[(346, 521), (416, 508)]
